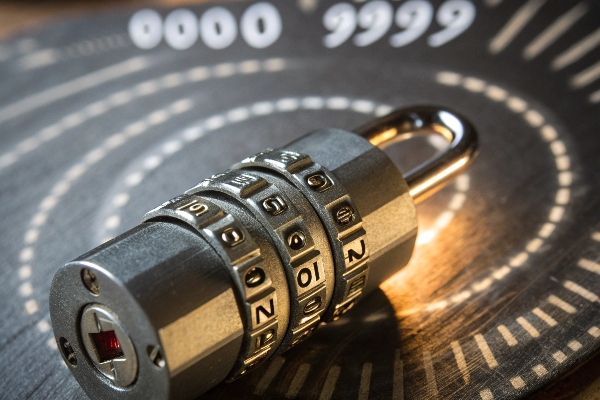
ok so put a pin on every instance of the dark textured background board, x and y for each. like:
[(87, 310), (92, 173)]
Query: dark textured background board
[(96, 131)]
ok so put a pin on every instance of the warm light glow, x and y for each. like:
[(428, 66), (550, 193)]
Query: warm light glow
[(383, 137), (423, 189), (426, 237)]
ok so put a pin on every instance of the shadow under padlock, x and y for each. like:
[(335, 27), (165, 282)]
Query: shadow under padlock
[(358, 349)]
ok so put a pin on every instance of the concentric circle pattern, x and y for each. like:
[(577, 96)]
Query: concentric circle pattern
[(106, 116)]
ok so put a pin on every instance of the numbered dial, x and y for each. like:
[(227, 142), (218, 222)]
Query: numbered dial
[(376, 18), (259, 26), (106, 115)]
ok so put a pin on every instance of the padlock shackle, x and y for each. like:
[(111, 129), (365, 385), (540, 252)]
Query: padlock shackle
[(433, 174)]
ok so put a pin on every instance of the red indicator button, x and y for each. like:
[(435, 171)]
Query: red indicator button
[(107, 345)]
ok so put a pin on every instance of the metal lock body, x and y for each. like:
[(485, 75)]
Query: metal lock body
[(250, 262)]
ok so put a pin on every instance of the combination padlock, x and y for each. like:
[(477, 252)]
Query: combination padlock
[(249, 262)]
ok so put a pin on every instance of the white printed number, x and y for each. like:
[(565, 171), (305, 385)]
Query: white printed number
[(375, 18), (260, 26)]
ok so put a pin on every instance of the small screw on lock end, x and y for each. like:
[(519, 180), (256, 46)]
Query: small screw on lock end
[(90, 281)]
